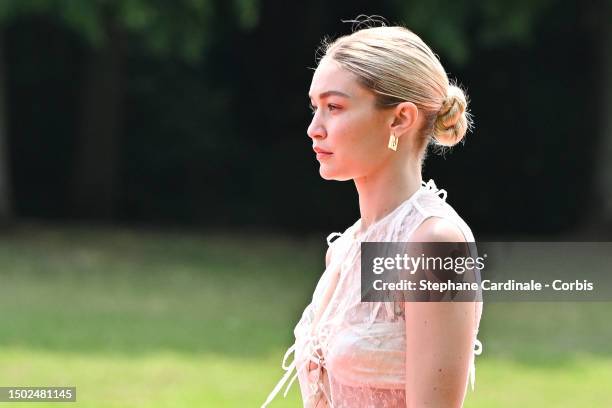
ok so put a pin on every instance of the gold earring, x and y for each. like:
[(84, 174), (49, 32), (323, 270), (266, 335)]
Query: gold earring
[(393, 142)]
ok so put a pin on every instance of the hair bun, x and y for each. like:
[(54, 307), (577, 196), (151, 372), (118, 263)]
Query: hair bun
[(453, 119)]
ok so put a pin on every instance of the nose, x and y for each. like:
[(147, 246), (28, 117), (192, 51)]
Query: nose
[(316, 129)]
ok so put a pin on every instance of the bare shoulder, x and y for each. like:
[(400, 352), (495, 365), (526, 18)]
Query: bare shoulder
[(436, 229)]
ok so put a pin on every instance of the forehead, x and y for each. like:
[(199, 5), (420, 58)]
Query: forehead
[(330, 75)]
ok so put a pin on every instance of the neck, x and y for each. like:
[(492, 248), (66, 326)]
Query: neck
[(385, 189)]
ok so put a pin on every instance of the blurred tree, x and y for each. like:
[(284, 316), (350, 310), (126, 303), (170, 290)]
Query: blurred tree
[(178, 29), (449, 26), (598, 19), (166, 29), (6, 207), (188, 120)]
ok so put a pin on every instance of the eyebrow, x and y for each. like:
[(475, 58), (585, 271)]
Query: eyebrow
[(330, 93)]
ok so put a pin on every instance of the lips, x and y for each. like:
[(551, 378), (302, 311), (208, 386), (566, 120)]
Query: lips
[(321, 154), (321, 151)]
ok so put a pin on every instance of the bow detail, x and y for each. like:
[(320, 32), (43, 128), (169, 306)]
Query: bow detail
[(330, 237), (477, 352), (431, 186)]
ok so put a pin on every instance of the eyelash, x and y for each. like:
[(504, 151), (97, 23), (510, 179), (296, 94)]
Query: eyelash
[(329, 106)]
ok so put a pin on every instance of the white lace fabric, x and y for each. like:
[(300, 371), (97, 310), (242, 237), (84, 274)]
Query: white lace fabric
[(359, 347)]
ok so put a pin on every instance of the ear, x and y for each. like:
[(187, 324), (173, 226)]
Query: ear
[(405, 117)]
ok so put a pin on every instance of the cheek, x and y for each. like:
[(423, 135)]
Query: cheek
[(358, 146), (363, 138), (354, 131)]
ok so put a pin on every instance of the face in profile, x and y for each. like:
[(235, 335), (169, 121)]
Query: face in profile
[(349, 133)]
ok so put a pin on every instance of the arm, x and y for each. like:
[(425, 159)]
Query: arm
[(438, 338)]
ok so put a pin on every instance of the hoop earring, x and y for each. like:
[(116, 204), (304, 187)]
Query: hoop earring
[(393, 142)]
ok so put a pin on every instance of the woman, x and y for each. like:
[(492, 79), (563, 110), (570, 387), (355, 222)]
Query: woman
[(379, 97)]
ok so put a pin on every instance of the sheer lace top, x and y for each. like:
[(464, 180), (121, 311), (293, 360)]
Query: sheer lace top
[(359, 347)]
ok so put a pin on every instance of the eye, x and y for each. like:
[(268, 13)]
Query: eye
[(330, 106)]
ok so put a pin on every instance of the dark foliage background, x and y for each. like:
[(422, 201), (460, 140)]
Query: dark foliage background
[(204, 123)]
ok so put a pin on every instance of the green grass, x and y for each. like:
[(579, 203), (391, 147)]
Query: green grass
[(144, 319)]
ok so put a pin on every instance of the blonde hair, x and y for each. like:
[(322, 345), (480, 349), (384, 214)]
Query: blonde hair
[(398, 66)]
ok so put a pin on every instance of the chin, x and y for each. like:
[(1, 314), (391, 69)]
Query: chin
[(325, 173), (328, 174)]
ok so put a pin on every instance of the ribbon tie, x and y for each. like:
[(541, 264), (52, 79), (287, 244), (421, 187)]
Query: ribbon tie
[(313, 346)]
